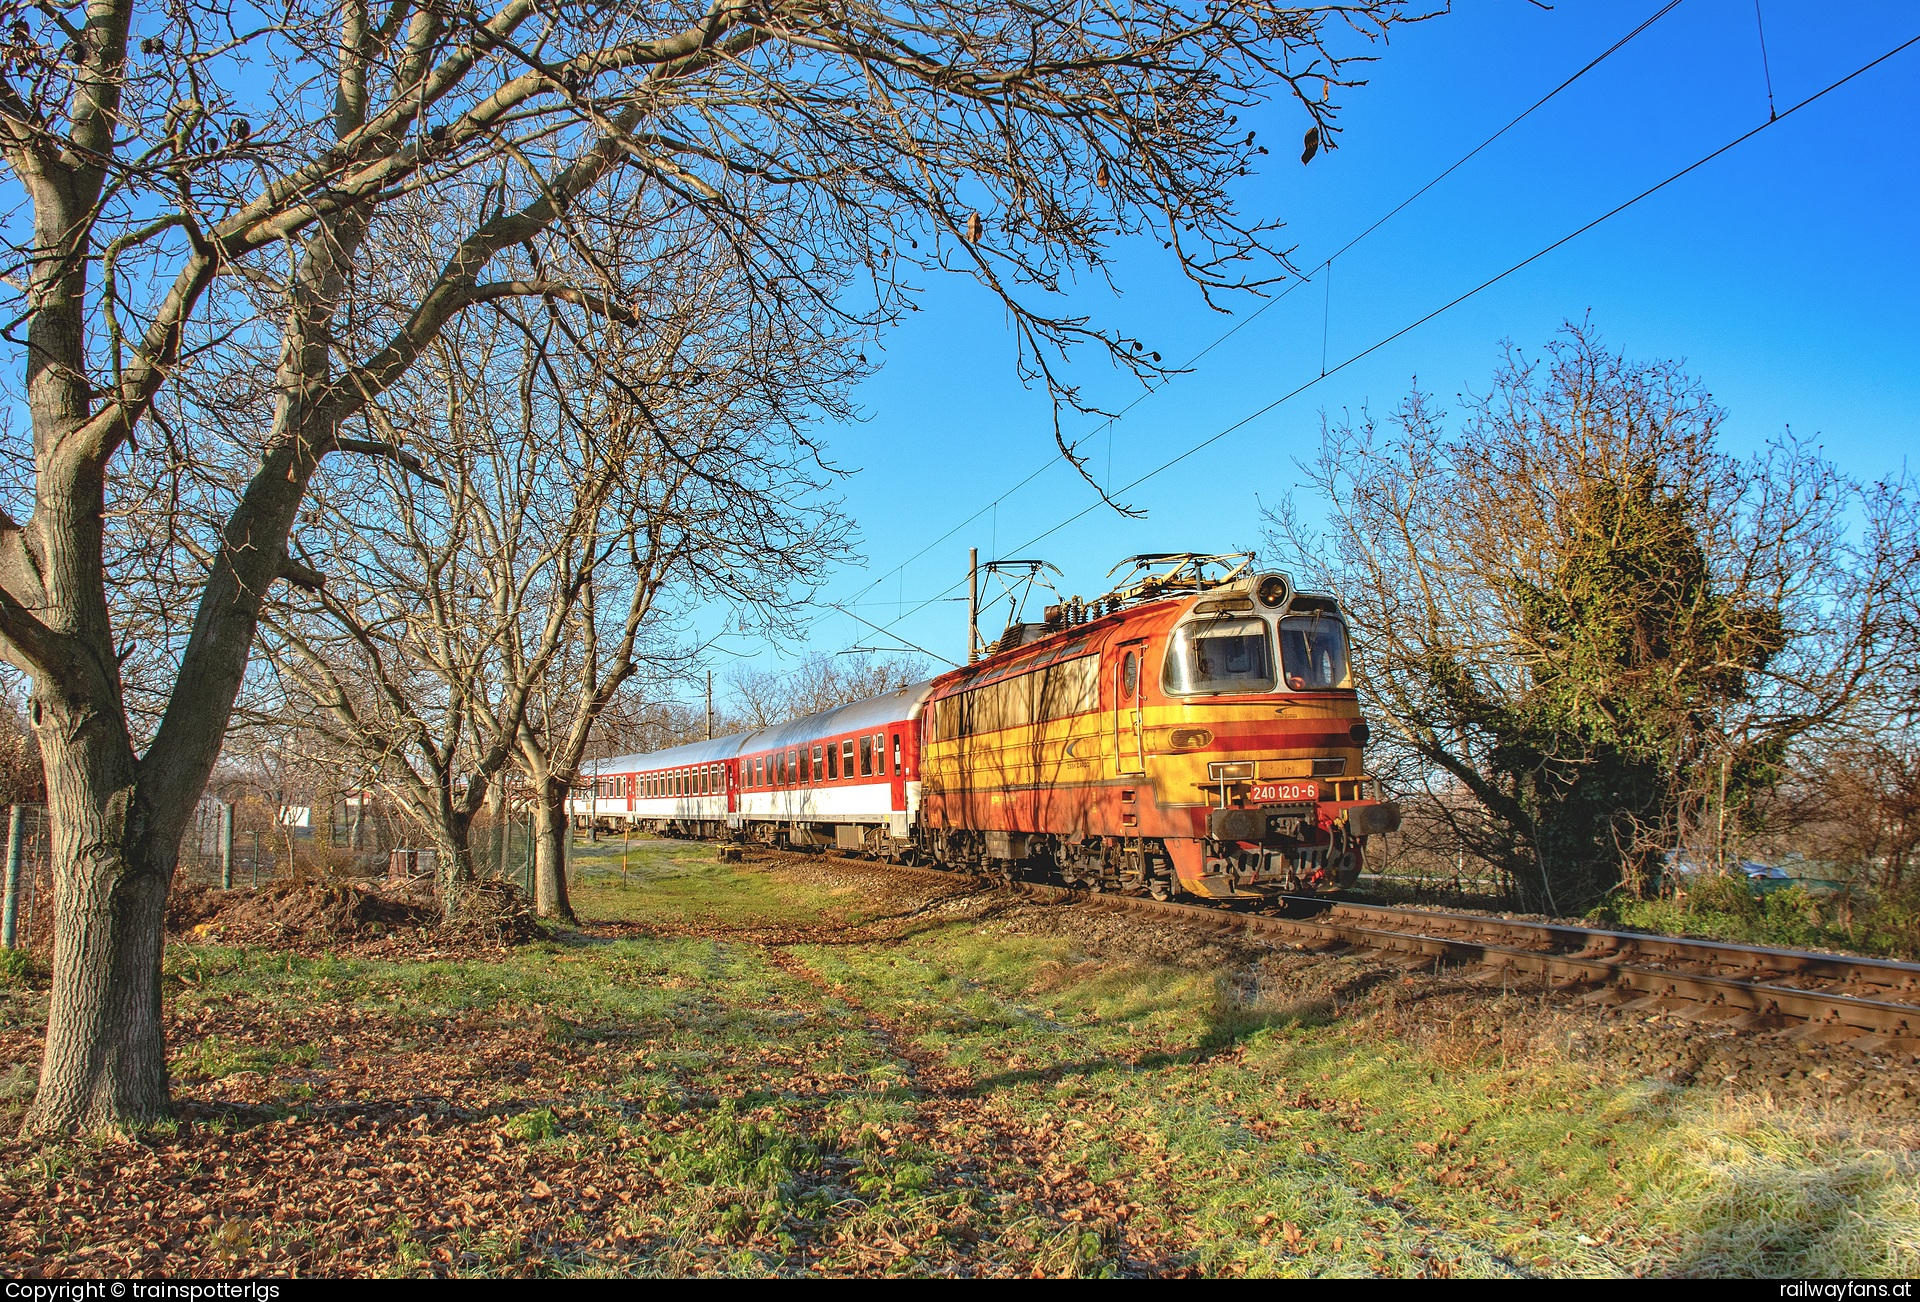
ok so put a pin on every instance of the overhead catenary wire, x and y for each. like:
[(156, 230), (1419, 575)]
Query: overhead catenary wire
[(1773, 120), (1255, 315)]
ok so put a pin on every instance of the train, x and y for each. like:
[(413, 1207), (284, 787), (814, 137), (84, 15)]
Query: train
[(1193, 732)]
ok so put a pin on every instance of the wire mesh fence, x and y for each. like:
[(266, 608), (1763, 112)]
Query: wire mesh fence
[(229, 845), (27, 922)]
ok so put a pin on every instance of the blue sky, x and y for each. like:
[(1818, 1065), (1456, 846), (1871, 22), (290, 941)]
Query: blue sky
[(1786, 274)]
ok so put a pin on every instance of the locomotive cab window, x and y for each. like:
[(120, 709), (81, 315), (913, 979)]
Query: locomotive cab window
[(1218, 656), (1313, 653)]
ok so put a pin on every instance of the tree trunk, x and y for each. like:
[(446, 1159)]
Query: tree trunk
[(550, 833), (105, 1064), (454, 864)]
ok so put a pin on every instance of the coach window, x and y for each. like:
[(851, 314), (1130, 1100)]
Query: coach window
[(846, 757), (833, 762), (866, 757), (817, 770), (880, 753)]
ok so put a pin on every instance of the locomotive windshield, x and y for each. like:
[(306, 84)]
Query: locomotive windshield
[(1220, 655), (1313, 652)]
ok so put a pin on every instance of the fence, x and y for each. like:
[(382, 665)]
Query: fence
[(26, 918), (216, 853), (502, 848)]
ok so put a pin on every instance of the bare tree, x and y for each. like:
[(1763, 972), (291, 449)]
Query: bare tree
[(202, 188), (761, 697), (481, 618), (1579, 612)]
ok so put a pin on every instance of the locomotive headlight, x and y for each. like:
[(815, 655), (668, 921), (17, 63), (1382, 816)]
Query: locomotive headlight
[(1273, 590), (1360, 733), (1189, 738), (1229, 772)]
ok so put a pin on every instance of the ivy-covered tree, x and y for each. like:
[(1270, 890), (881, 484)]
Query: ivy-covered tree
[(1600, 636)]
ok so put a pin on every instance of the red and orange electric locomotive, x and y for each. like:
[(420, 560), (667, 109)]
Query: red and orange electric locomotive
[(1186, 733)]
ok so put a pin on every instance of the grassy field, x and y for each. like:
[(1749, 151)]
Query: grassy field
[(752, 1070)]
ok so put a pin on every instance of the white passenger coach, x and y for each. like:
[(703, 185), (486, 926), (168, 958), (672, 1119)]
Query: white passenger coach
[(846, 777)]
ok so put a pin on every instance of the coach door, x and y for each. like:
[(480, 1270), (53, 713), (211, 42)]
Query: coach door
[(1127, 671)]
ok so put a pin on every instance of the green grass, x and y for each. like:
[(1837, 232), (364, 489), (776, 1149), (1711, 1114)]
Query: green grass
[(976, 1092), (1273, 1136), (1726, 908)]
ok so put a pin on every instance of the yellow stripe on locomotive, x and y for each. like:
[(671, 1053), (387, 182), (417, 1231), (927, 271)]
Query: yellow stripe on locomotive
[(1210, 742)]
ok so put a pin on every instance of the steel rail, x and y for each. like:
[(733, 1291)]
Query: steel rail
[(1569, 957)]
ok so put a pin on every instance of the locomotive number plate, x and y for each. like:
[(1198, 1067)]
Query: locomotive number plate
[(1276, 793)]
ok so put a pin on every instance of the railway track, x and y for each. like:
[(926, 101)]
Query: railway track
[(1873, 1004)]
